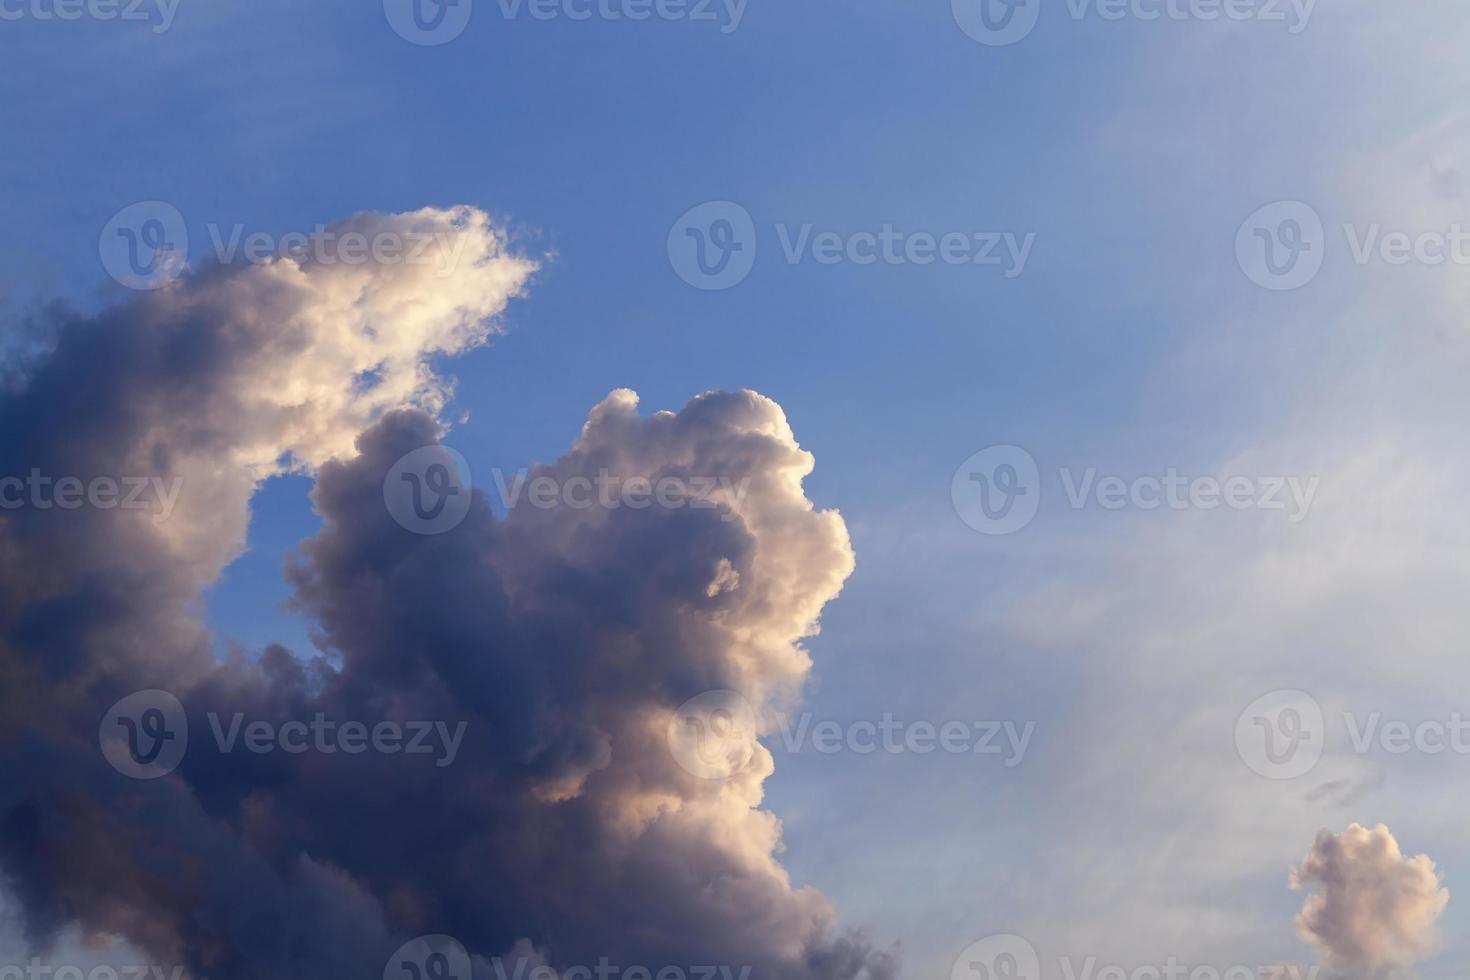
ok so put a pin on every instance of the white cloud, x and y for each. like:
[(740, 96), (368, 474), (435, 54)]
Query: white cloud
[(1372, 911)]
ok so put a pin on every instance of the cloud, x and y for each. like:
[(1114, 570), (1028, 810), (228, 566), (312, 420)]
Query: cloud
[(567, 638), (1371, 911), (562, 639)]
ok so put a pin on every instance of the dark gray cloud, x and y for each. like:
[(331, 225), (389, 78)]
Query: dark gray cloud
[(561, 639)]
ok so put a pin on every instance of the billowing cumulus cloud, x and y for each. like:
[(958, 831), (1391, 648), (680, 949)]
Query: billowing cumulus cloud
[(1371, 910), (558, 642)]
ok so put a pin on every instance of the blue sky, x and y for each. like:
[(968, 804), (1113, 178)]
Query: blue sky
[(1132, 342)]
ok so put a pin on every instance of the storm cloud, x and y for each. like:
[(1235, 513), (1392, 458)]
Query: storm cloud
[(562, 640)]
